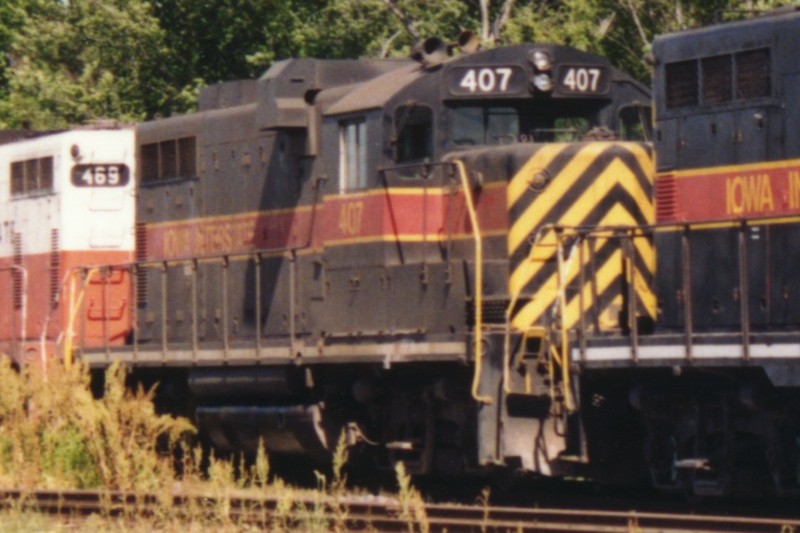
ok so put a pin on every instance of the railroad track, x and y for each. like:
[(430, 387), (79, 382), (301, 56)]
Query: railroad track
[(383, 514)]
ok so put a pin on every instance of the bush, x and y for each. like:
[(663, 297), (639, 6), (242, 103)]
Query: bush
[(55, 434)]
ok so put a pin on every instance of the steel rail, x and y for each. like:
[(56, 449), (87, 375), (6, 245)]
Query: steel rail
[(358, 513)]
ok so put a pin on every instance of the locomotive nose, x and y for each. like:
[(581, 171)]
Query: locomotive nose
[(560, 189)]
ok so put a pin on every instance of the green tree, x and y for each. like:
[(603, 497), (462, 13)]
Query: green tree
[(625, 29), (80, 60), (11, 20), (69, 61), (215, 40)]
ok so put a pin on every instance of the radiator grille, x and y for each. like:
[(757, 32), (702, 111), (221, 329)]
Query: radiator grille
[(752, 74), (141, 273), (666, 201), (681, 83), (494, 312), (55, 267), (717, 79), (16, 275)]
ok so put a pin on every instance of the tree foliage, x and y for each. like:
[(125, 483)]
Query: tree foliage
[(72, 61), (78, 60)]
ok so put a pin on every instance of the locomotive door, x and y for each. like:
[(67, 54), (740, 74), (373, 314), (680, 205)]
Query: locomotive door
[(279, 286), (353, 259), (385, 232)]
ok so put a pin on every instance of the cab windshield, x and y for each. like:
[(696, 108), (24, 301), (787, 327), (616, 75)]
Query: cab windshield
[(486, 125)]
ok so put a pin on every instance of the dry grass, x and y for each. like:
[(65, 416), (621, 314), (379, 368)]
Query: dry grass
[(55, 435)]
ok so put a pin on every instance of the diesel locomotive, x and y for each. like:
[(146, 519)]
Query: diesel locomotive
[(396, 250), (712, 396)]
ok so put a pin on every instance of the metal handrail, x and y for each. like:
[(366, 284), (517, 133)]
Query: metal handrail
[(74, 307), (581, 233), (478, 294), (564, 338)]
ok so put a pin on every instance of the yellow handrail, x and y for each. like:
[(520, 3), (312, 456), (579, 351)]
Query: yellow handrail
[(74, 307), (563, 361), (477, 336), (562, 358)]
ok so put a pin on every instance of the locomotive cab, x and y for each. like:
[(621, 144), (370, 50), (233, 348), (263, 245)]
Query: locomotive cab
[(521, 94), (423, 222)]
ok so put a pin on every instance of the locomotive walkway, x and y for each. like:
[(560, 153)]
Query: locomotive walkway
[(380, 514)]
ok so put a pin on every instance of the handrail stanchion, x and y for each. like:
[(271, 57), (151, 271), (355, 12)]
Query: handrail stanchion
[(744, 289), (687, 291), (478, 291)]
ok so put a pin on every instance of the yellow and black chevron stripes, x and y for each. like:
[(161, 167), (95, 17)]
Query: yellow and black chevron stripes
[(580, 186)]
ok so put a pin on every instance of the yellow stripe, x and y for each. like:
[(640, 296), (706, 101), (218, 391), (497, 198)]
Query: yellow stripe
[(532, 312), (644, 158), (229, 218), (764, 221), (645, 248), (402, 191), (411, 238), (521, 180), (645, 296), (601, 188), (410, 191), (767, 165), (609, 273), (545, 294), (575, 215), (616, 172), (560, 185), (532, 264)]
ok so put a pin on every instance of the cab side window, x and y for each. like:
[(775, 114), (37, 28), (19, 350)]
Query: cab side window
[(353, 155), (413, 133), (635, 123)]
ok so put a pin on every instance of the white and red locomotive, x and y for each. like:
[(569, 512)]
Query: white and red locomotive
[(67, 205)]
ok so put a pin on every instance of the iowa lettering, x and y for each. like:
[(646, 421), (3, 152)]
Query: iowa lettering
[(749, 194)]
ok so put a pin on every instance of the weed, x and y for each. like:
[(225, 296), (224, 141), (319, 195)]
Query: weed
[(55, 434), (260, 469), (338, 484), (412, 505), (483, 500)]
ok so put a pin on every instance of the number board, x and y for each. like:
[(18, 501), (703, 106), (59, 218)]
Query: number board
[(111, 175), (582, 79), (494, 80)]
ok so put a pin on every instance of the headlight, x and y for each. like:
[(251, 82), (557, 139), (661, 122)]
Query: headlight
[(543, 82), (541, 60)]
